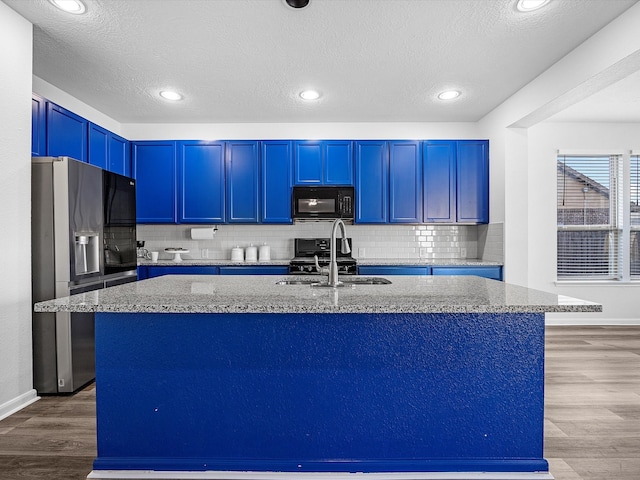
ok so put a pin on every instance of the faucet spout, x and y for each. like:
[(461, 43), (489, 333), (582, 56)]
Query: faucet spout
[(334, 281)]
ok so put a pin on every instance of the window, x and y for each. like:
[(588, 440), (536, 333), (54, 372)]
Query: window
[(634, 216), (598, 217)]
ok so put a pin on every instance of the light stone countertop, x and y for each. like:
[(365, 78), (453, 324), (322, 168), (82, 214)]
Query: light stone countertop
[(261, 294)]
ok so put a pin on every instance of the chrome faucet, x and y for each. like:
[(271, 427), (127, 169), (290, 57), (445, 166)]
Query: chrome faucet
[(333, 262)]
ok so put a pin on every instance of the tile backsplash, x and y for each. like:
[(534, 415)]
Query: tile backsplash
[(369, 241)]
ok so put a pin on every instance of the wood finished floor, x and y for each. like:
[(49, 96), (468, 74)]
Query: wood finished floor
[(592, 426)]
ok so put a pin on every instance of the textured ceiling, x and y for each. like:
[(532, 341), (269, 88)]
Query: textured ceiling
[(247, 60)]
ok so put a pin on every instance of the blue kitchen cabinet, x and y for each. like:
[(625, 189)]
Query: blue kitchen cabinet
[(255, 270), (371, 181), (119, 155), (439, 181), (492, 272), (98, 146), (201, 190), (38, 126), (323, 162), (276, 179), (405, 182), (393, 270), (67, 133), (154, 167), (153, 271), (243, 180), (108, 150), (472, 194)]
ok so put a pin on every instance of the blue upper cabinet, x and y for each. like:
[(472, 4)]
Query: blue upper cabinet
[(456, 181), (372, 181), (326, 162), (276, 179), (405, 182), (243, 170), (109, 151), (439, 184), (201, 190), (119, 155), (473, 181), (67, 133), (98, 146), (154, 167), (38, 126)]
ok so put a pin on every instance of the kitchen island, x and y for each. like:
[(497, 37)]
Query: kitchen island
[(244, 377)]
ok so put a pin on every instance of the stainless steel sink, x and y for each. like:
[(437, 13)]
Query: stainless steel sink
[(346, 281), (366, 281), (297, 282)]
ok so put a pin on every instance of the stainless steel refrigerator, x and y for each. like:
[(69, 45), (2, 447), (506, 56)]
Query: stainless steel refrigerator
[(83, 239)]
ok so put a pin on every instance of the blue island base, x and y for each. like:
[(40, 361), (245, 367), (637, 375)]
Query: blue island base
[(266, 396)]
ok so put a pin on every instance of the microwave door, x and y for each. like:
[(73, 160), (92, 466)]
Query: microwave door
[(317, 206)]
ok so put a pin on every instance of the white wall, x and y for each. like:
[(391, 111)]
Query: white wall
[(15, 212), (619, 302)]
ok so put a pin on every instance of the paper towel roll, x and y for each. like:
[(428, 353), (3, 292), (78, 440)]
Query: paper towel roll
[(202, 233)]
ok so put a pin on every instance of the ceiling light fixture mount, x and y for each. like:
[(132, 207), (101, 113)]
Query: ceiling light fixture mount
[(449, 94), (297, 3), (75, 7), (310, 95), (170, 95), (530, 5)]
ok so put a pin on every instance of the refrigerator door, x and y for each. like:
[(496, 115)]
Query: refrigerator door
[(119, 223)]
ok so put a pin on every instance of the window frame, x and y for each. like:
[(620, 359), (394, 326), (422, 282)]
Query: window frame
[(619, 221)]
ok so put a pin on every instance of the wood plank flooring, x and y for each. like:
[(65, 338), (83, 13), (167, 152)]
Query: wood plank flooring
[(592, 426)]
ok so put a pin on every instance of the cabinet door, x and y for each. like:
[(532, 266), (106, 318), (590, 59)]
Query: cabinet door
[(439, 181), (153, 272), (494, 273), (405, 182), (276, 166), (38, 126), (119, 155), (393, 270), (473, 181), (98, 146), (154, 167), (242, 182), (338, 163), (372, 182), (66, 133), (308, 163), (201, 182), (255, 270)]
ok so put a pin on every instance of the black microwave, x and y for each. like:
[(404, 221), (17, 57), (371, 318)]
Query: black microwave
[(322, 203)]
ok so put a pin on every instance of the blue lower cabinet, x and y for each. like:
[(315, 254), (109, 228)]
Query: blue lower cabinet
[(255, 270), (180, 270), (494, 273), (393, 270)]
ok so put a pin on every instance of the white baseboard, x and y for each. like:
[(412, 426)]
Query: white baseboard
[(18, 403), (158, 475), (596, 322)]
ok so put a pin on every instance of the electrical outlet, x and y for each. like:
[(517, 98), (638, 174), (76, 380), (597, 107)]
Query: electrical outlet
[(463, 252), (362, 252)]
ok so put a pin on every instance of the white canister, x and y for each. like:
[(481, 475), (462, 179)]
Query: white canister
[(237, 254), (251, 254), (265, 253)]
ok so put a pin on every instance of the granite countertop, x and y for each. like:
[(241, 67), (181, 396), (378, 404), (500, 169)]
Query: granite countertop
[(261, 294)]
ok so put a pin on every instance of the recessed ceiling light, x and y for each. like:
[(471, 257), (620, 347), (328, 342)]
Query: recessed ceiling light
[(70, 6), (169, 95), (310, 95), (449, 95), (530, 5), (297, 3)]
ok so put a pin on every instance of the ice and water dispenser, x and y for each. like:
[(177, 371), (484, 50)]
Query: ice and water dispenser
[(87, 253)]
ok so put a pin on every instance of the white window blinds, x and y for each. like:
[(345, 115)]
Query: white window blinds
[(634, 234), (589, 217)]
